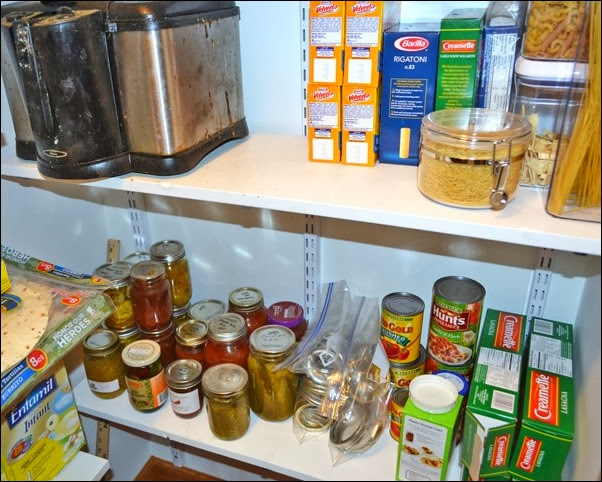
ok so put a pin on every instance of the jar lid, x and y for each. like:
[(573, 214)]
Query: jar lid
[(224, 379), (403, 304), (458, 380), (206, 310), (433, 394), (160, 331), (285, 313), (177, 312), (191, 333), (100, 342), (459, 289), (137, 257), (272, 339), (183, 373), (168, 250), (141, 353), (227, 327), (147, 270), (125, 332), (245, 299), (555, 71), (118, 273)]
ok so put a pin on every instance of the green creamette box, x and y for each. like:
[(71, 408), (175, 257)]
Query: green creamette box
[(548, 423), (493, 401), (458, 68)]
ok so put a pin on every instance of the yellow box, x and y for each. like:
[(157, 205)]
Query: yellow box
[(365, 23), (324, 122), (41, 431), (361, 121), (326, 42)]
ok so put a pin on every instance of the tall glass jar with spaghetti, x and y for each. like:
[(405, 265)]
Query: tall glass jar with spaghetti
[(151, 296), (191, 337), (472, 158), (248, 303), (272, 392), (171, 253), (102, 363), (145, 375), (227, 341), (119, 275)]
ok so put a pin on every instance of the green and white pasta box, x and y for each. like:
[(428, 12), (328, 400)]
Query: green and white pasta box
[(458, 68), (493, 401), (548, 421), (41, 430)]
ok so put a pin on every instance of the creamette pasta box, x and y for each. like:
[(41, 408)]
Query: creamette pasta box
[(548, 421), (493, 401), (409, 79)]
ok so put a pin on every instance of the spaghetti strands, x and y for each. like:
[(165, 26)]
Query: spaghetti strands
[(576, 181)]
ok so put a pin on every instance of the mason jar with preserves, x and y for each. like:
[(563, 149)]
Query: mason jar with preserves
[(171, 253), (144, 375), (151, 296), (180, 315), (225, 387), (191, 337), (227, 341), (126, 335), (248, 303), (119, 275), (184, 387), (206, 310), (166, 338), (272, 392), (103, 365), (289, 314)]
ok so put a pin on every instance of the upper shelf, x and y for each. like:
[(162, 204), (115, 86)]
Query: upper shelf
[(272, 172)]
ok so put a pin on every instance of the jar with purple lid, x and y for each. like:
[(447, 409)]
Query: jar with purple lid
[(290, 315)]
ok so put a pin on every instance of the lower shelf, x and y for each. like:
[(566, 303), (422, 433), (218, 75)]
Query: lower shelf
[(84, 466), (271, 445)]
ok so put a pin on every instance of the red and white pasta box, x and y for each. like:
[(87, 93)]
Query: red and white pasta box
[(326, 42), (324, 122)]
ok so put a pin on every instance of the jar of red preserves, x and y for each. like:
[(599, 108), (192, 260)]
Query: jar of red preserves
[(191, 337), (290, 315), (184, 387), (227, 341), (248, 303), (166, 338), (151, 296), (171, 253)]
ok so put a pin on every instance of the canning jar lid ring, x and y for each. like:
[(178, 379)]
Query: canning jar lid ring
[(225, 379), (227, 327), (245, 306), (192, 333), (271, 340), (117, 273), (101, 342), (168, 250), (147, 270), (220, 309), (183, 373)]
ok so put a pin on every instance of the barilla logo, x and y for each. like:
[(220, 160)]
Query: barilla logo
[(36, 397), (528, 454), (459, 46), (449, 320), (360, 8), (358, 95), (411, 44), (500, 451), (508, 332), (543, 398), (323, 94), (326, 8)]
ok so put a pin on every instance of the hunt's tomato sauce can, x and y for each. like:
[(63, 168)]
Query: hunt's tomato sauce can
[(401, 326), (454, 325)]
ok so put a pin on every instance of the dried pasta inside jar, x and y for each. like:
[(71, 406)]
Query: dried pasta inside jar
[(472, 157)]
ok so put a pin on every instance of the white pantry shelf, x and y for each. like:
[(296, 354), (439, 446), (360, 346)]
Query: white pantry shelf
[(83, 466), (272, 172)]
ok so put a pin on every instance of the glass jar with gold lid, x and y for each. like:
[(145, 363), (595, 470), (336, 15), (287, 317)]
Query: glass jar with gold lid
[(171, 253), (118, 273), (248, 303), (151, 296), (206, 310), (103, 365), (191, 337), (227, 341)]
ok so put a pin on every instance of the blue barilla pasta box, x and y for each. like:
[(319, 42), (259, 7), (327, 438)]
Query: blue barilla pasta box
[(409, 61)]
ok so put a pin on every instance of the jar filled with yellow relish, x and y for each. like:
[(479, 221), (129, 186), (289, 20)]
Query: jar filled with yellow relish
[(184, 386), (103, 365), (225, 387), (118, 274), (144, 375), (248, 303), (191, 337), (151, 296), (171, 253), (272, 392)]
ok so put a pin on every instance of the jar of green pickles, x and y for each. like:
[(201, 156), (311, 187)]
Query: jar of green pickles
[(225, 388), (144, 375), (119, 275), (102, 363), (272, 392), (171, 253)]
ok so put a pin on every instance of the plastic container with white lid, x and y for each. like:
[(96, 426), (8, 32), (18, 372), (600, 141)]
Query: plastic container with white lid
[(433, 394)]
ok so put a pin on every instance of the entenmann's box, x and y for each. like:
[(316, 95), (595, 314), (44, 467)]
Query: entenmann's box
[(548, 417), (409, 80), (493, 401)]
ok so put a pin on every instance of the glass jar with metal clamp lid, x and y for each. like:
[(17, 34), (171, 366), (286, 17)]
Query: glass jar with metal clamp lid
[(472, 158)]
